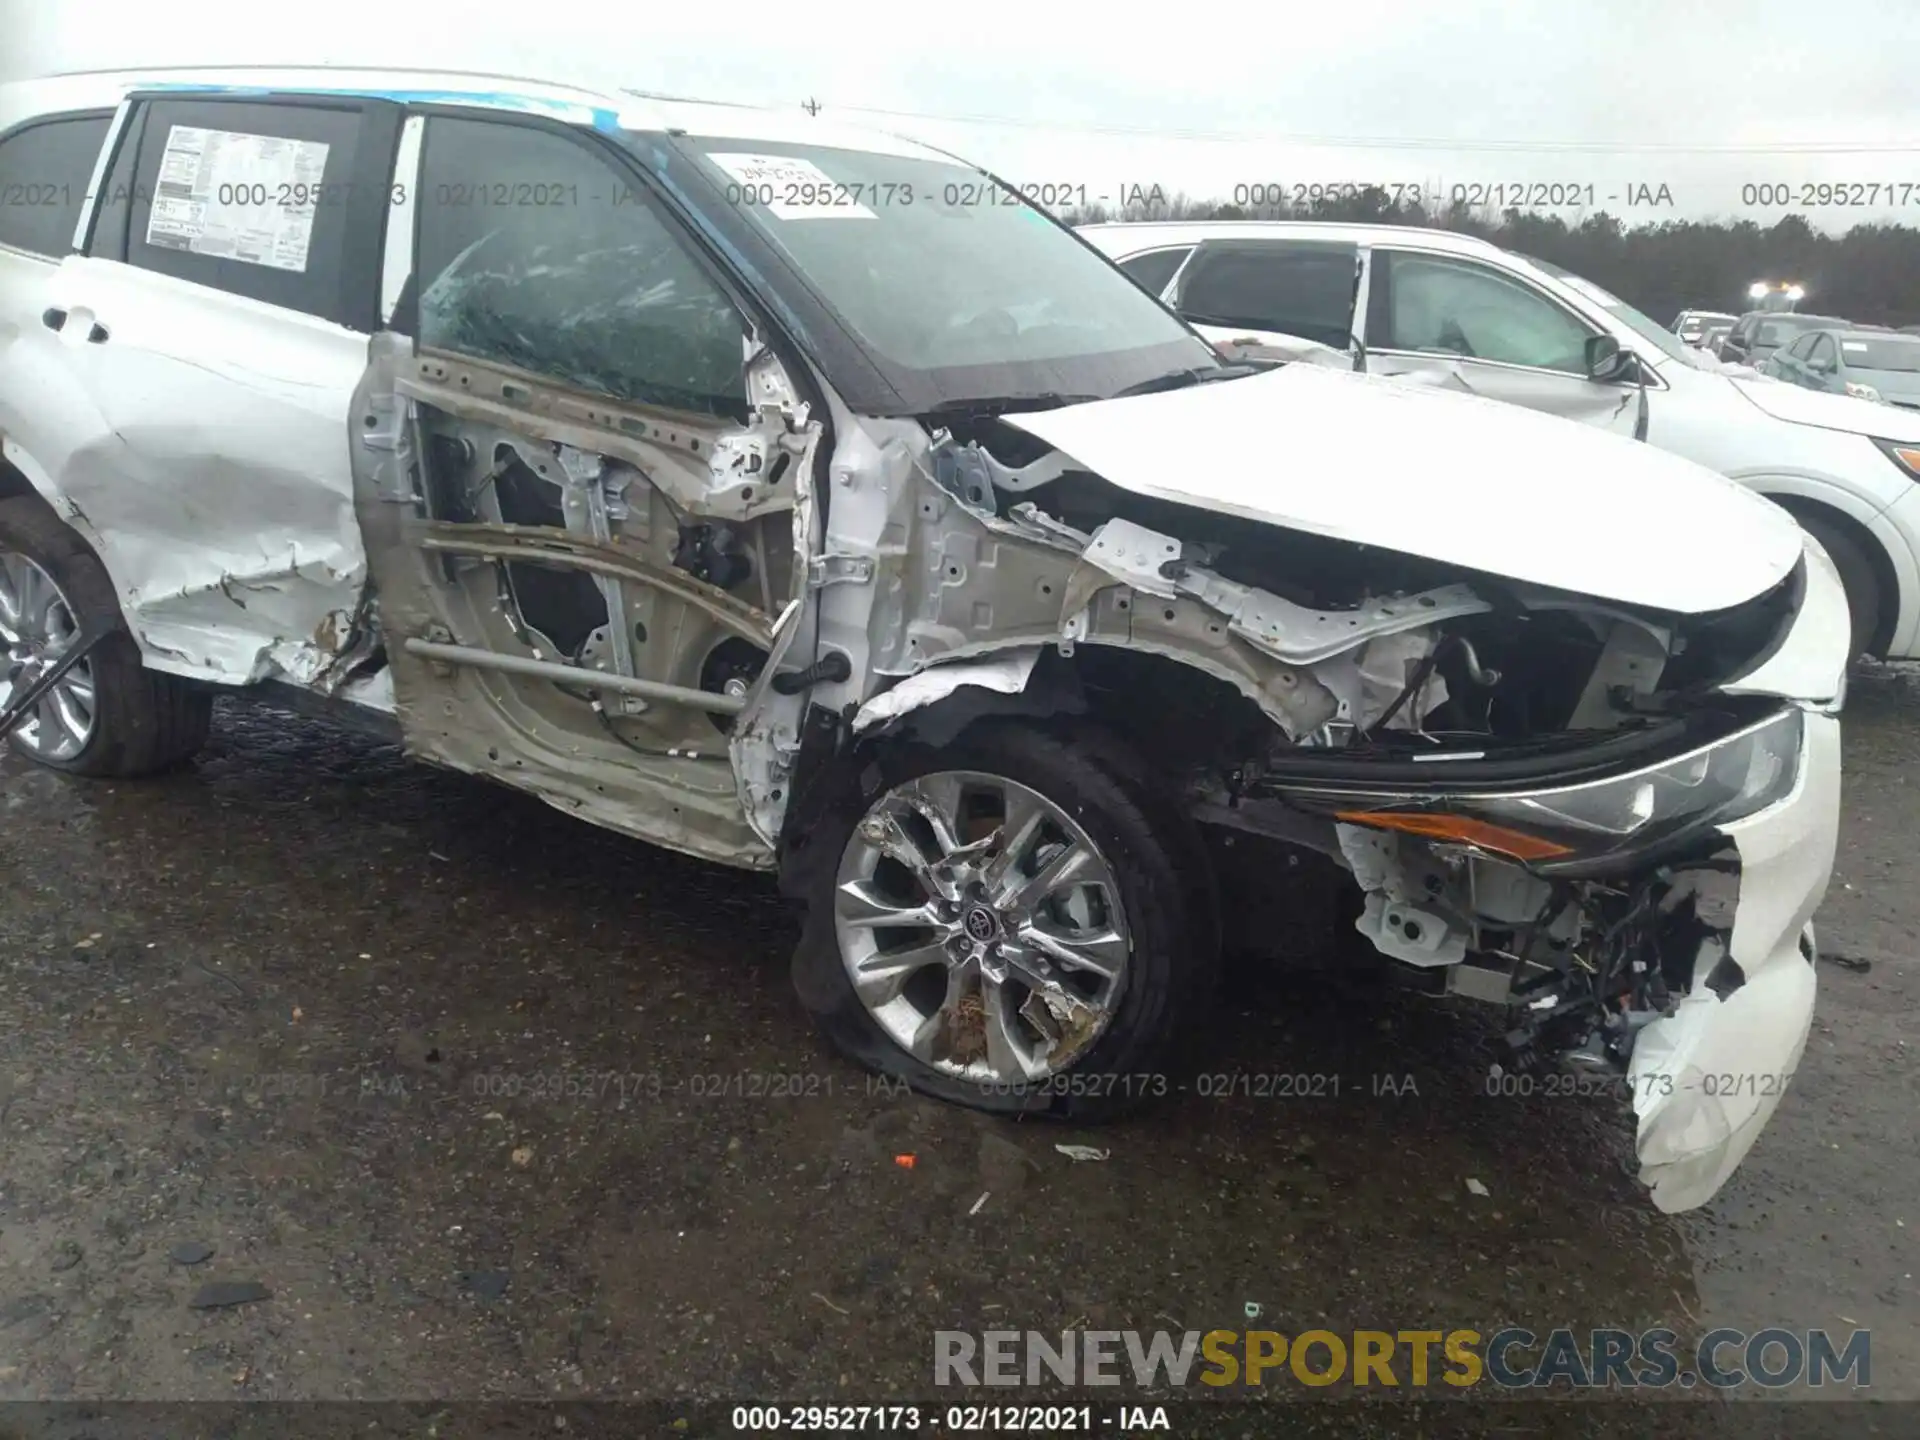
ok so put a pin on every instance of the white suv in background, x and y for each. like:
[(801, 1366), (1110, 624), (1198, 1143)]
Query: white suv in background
[(1462, 313)]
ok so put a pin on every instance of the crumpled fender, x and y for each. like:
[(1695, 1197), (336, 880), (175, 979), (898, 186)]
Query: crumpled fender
[(1005, 673)]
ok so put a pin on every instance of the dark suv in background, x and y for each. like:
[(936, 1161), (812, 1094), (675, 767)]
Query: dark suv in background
[(1757, 334)]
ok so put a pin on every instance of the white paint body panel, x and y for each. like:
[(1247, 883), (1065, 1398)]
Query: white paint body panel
[(202, 451), (1449, 477), (1571, 397), (1005, 674), (1698, 1112), (1811, 664), (1801, 406), (1720, 421)]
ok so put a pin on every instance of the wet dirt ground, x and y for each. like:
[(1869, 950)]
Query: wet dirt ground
[(481, 1097)]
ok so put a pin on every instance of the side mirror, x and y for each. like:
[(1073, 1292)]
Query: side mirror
[(1606, 360)]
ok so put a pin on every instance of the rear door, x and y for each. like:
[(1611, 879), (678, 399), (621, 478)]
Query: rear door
[(1267, 295), (1460, 324), (46, 167), (210, 338)]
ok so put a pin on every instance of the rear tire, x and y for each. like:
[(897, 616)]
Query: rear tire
[(1857, 577), (1171, 964), (142, 721)]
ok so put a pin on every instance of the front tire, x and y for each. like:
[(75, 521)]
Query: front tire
[(110, 716), (997, 923)]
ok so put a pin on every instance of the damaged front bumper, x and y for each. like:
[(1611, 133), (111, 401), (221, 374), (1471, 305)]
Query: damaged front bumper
[(1706, 1078), (1654, 919)]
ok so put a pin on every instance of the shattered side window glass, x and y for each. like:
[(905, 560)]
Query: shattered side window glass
[(535, 253)]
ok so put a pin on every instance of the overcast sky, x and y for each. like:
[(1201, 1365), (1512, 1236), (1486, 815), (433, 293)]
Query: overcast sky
[(1614, 95)]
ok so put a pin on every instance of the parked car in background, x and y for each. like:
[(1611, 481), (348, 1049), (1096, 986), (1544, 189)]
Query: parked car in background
[(1867, 364), (913, 554), (1692, 325), (1711, 337), (1758, 334), (1462, 313)]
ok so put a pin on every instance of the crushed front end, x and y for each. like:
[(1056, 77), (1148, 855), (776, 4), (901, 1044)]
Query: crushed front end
[(1637, 885), (1596, 783)]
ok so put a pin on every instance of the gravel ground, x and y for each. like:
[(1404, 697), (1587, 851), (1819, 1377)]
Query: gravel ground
[(478, 1095)]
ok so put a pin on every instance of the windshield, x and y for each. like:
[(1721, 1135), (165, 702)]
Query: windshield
[(1644, 326), (955, 288), (1889, 355)]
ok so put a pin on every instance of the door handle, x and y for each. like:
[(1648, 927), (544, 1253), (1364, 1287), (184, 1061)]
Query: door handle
[(97, 334), (53, 317)]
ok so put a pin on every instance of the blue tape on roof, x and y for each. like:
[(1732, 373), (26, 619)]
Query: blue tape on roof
[(573, 112)]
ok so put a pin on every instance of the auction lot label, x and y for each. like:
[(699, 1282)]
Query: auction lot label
[(792, 188), (237, 197)]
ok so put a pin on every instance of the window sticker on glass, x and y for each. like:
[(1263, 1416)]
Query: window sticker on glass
[(237, 197), (790, 188)]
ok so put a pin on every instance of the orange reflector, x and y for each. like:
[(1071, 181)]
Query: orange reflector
[(1909, 456), (1517, 843)]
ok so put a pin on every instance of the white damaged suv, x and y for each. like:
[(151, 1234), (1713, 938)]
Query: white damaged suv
[(803, 500)]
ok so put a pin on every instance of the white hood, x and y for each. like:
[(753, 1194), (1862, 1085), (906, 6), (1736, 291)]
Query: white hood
[(1801, 406), (1454, 478)]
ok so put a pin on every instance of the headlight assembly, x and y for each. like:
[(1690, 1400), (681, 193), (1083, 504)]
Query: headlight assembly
[(1903, 454), (1607, 820)]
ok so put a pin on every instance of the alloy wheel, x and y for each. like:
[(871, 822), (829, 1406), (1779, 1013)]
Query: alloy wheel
[(981, 927), (36, 626)]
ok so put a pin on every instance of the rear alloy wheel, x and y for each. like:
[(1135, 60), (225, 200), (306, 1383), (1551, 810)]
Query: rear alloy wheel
[(108, 715), (36, 628), (997, 923)]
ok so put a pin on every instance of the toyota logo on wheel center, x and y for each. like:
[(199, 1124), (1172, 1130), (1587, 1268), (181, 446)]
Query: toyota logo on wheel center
[(982, 924)]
